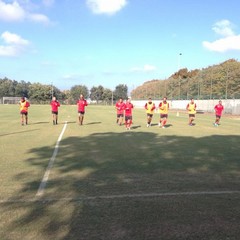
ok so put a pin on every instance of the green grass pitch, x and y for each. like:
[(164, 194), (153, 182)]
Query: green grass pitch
[(107, 183)]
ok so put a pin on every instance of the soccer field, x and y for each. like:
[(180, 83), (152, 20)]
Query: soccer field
[(104, 182)]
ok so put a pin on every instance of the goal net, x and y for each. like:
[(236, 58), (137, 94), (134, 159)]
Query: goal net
[(11, 100)]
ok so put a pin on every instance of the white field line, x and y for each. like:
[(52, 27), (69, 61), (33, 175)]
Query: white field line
[(121, 196), (50, 164)]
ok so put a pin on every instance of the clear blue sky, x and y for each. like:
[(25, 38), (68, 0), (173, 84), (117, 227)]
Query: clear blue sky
[(111, 42)]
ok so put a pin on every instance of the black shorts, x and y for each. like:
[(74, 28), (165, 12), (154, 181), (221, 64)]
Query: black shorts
[(191, 115), (149, 114), (24, 113), (163, 115), (53, 112), (119, 115), (128, 118), (81, 112)]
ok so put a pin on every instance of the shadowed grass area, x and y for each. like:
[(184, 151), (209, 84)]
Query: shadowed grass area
[(101, 159)]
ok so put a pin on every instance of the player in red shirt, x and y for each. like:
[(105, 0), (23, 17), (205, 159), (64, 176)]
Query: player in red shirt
[(128, 114), (24, 105), (218, 111), (120, 105), (81, 103), (55, 105)]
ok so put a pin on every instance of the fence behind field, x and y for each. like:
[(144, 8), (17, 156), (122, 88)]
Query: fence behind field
[(231, 106)]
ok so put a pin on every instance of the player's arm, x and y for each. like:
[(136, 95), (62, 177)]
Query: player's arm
[(161, 106), (153, 107)]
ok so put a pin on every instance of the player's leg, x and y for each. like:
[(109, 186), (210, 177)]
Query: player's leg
[(192, 118), (217, 120), (126, 121), (148, 120), (161, 122), (56, 118), (81, 118), (121, 120), (22, 119), (26, 118), (53, 118), (130, 122), (164, 121)]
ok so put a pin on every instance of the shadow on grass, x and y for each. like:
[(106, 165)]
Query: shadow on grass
[(136, 126), (13, 133), (92, 123), (168, 125), (36, 123), (107, 164)]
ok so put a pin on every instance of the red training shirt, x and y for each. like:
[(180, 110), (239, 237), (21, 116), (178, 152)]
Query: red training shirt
[(120, 107), (218, 109), (55, 105), (128, 109), (82, 103)]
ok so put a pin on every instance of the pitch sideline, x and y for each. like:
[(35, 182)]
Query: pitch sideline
[(122, 196), (50, 164)]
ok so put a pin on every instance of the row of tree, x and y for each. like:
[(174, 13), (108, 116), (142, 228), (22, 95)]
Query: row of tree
[(214, 82), (41, 93), (217, 81)]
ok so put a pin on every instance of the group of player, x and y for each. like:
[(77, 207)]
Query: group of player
[(55, 104), (123, 109), (163, 108)]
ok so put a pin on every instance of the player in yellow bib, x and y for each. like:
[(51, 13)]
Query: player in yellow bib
[(191, 107), (24, 105), (163, 109), (149, 106)]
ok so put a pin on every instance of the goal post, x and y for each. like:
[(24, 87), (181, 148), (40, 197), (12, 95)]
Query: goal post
[(10, 100)]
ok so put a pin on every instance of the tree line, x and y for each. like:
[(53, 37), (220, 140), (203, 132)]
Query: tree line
[(42, 93), (220, 81)]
